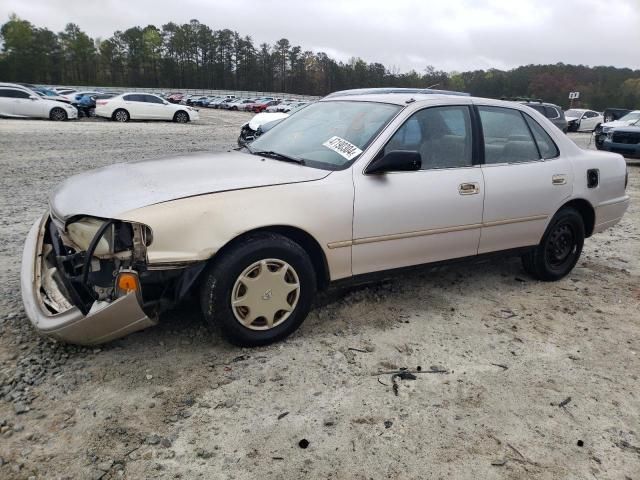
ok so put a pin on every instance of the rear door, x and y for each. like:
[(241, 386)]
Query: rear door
[(526, 179)]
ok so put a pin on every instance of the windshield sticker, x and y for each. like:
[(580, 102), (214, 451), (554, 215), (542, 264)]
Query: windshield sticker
[(342, 147)]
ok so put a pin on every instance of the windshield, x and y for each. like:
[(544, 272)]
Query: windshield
[(328, 135), (573, 113), (631, 116)]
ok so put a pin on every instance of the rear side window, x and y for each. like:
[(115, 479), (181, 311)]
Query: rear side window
[(551, 112), (507, 138), (546, 145)]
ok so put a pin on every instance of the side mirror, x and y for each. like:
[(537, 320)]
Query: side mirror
[(33, 97), (396, 161), (165, 102)]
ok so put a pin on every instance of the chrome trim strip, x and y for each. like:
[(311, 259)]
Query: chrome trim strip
[(532, 218), (433, 231)]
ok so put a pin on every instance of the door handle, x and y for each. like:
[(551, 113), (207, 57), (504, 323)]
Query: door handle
[(470, 188), (559, 179)]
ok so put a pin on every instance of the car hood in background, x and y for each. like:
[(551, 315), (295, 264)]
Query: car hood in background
[(619, 123), (265, 117), (113, 190)]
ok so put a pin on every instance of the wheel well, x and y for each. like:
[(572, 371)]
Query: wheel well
[(302, 238), (587, 213)]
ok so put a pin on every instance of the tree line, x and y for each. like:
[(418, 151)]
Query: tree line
[(193, 55)]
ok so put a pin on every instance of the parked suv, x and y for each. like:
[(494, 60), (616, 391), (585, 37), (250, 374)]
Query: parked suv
[(551, 111)]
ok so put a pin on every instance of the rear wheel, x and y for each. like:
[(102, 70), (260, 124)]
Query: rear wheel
[(121, 115), (560, 248), (260, 290), (181, 117), (58, 114)]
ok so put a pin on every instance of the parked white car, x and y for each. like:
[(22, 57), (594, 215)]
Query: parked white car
[(582, 120), (144, 106), (350, 185), (18, 101)]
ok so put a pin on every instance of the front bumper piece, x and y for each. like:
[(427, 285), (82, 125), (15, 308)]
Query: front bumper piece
[(105, 321)]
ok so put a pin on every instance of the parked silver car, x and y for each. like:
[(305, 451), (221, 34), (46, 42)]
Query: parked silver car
[(347, 186)]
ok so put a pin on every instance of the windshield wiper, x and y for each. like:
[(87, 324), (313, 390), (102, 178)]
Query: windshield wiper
[(279, 156)]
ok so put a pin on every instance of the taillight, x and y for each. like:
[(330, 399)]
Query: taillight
[(101, 102)]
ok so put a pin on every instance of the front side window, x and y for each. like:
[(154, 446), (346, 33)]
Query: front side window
[(19, 94), (6, 93), (442, 136), (507, 138), (152, 99), (328, 135)]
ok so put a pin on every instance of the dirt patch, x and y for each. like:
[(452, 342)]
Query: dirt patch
[(176, 402)]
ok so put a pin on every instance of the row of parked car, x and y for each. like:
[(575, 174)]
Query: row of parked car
[(30, 101), (232, 102)]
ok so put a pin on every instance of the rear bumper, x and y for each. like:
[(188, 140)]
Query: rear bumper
[(105, 321), (610, 213)]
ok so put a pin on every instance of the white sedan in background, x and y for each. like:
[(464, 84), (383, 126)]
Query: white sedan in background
[(22, 102), (144, 106), (582, 120)]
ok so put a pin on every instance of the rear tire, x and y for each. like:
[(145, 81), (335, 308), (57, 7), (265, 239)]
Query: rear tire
[(242, 276), (58, 114), (560, 247), (121, 115)]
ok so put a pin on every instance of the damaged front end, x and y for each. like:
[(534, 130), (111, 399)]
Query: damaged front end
[(88, 281)]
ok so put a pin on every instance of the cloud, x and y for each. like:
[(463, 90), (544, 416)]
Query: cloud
[(461, 35)]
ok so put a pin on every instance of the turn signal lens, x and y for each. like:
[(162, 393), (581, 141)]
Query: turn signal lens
[(127, 282)]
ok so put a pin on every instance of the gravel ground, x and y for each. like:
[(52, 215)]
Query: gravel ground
[(519, 379)]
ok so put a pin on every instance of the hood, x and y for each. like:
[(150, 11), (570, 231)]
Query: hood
[(113, 190), (619, 123), (629, 129), (570, 119), (265, 117)]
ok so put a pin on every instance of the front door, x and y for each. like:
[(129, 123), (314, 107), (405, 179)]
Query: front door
[(411, 218), (525, 179)]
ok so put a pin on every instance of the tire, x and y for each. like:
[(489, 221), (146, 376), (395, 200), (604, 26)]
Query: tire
[(121, 115), (181, 117), (58, 114), (251, 258), (560, 247)]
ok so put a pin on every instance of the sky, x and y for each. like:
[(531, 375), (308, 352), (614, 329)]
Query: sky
[(451, 35)]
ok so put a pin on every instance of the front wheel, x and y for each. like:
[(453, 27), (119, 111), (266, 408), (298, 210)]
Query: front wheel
[(260, 290), (560, 248), (181, 117), (58, 114)]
